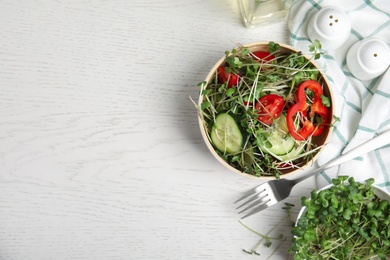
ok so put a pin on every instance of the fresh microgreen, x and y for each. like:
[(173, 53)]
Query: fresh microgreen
[(273, 47), (335, 120), (346, 221), (280, 75), (316, 49), (267, 239), (325, 101)]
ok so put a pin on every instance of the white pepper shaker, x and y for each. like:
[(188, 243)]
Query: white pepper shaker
[(368, 58), (331, 26)]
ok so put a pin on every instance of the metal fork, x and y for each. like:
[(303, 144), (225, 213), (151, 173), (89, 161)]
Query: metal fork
[(272, 192)]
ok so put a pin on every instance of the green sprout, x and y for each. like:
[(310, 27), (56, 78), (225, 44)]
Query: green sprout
[(346, 221), (266, 239)]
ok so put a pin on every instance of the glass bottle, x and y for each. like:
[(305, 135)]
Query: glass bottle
[(260, 12)]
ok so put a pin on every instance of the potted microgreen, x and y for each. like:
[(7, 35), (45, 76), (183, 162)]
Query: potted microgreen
[(346, 220)]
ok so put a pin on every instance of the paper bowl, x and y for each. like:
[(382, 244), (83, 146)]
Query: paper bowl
[(319, 141)]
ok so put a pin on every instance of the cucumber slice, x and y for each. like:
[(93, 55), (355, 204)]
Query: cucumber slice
[(292, 155), (226, 135), (278, 141)]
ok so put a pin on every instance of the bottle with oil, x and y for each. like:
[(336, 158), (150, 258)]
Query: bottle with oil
[(260, 12)]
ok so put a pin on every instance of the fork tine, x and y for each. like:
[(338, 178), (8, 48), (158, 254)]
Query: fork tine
[(259, 208), (259, 201), (255, 198), (251, 192)]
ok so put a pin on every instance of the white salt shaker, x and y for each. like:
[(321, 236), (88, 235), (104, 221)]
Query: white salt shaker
[(331, 26), (368, 58)]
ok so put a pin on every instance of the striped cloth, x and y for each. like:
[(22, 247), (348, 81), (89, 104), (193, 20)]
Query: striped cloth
[(362, 106)]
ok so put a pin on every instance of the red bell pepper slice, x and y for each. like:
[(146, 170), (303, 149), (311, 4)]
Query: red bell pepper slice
[(307, 127), (319, 109), (299, 109), (231, 78)]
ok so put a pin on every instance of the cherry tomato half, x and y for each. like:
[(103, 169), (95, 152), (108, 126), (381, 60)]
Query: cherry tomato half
[(224, 77), (263, 56), (269, 107)]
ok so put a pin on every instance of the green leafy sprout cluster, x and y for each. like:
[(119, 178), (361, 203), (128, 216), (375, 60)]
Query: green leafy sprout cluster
[(346, 221)]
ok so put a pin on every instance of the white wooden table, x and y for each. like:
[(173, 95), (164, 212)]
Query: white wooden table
[(101, 155)]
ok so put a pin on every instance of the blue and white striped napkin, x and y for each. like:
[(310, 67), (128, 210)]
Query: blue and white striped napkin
[(362, 106)]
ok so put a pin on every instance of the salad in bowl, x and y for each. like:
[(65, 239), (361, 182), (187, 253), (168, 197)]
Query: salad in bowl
[(265, 109)]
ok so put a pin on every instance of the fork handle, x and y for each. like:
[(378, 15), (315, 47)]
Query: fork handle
[(370, 145)]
